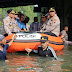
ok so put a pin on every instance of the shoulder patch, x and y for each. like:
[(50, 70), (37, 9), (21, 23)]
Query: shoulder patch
[(55, 20), (7, 21)]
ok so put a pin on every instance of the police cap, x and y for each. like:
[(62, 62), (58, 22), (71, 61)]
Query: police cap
[(44, 39), (11, 11), (52, 9)]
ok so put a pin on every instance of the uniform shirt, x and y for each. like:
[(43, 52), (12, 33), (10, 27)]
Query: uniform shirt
[(15, 28), (43, 26), (63, 33), (7, 25), (4, 52), (49, 51), (35, 26), (52, 25), (21, 25)]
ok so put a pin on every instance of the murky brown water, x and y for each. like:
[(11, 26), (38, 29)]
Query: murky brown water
[(21, 62)]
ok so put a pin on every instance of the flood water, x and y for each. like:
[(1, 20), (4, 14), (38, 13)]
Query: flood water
[(21, 62)]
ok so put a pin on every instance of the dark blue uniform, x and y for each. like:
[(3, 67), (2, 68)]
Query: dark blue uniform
[(49, 51), (4, 52), (45, 52)]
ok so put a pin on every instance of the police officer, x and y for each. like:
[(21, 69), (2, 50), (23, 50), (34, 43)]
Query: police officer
[(43, 18), (44, 49), (14, 22), (8, 27), (64, 36), (53, 24)]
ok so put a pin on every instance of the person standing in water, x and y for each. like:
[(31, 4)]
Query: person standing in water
[(64, 36), (4, 46), (44, 49)]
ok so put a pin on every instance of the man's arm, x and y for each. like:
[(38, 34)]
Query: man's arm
[(53, 52), (24, 28), (10, 43), (30, 50), (63, 33), (18, 27), (0, 42)]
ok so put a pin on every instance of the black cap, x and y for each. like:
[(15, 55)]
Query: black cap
[(52, 9), (44, 39), (8, 11)]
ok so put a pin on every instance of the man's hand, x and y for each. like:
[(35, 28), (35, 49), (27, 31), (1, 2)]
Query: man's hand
[(62, 37), (28, 50), (15, 36)]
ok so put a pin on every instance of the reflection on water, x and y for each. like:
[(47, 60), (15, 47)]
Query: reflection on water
[(20, 62), (23, 63)]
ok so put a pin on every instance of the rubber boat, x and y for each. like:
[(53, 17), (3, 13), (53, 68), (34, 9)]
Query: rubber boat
[(32, 41)]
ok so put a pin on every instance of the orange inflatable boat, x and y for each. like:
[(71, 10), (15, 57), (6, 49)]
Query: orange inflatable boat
[(32, 41)]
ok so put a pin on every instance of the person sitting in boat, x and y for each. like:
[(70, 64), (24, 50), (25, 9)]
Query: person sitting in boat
[(14, 21), (21, 25), (53, 24), (26, 23), (44, 49), (35, 26), (4, 46), (26, 20), (64, 36), (43, 19), (7, 22)]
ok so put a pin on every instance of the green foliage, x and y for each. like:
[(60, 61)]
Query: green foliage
[(1, 23), (27, 11)]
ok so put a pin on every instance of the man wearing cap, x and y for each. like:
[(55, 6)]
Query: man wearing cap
[(4, 46), (14, 22), (53, 24), (43, 18), (47, 16), (8, 25), (44, 49)]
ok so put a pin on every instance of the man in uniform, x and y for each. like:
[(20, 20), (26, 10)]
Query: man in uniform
[(8, 26), (44, 49), (64, 36), (14, 22), (43, 19), (53, 24)]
